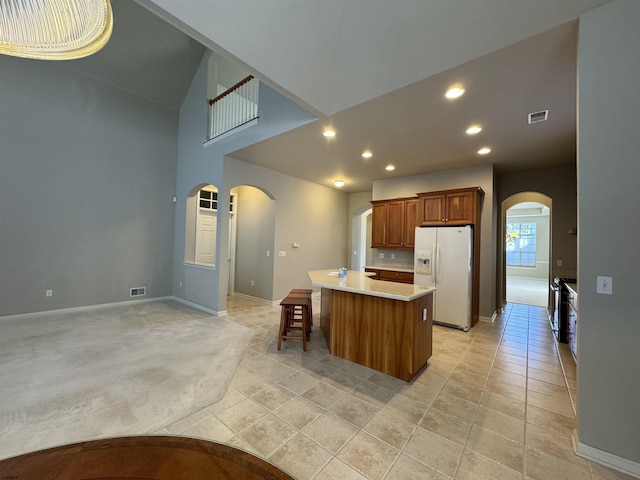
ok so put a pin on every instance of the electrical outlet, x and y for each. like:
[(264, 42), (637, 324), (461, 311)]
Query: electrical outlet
[(252, 283), (381, 255), (49, 293), (559, 262), (393, 255), (282, 253), (604, 285)]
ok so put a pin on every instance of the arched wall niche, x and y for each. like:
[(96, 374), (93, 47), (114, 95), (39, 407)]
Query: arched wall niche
[(198, 223)]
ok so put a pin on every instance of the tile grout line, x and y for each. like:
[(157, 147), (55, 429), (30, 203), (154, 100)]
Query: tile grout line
[(475, 416)]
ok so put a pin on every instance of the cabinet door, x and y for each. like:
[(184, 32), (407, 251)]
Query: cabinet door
[(378, 224), (459, 208), (410, 221), (395, 224), (432, 208)]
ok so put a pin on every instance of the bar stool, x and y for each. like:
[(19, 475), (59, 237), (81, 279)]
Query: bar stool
[(304, 293), (294, 316), (300, 313)]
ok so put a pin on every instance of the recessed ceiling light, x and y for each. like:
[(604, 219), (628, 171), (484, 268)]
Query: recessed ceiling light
[(473, 129), (367, 154), (454, 92), (390, 168), (329, 132), (484, 151), (338, 183)]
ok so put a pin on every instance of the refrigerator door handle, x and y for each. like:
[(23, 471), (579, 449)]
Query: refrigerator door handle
[(436, 263)]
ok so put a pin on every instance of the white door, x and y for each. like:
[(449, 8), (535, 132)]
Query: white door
[(206, 237)]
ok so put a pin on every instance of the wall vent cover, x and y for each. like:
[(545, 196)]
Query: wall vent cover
[(138, 292), (540, 116)]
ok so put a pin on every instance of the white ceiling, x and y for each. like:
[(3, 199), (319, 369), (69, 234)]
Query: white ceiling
[(144, 56), (377, 70)]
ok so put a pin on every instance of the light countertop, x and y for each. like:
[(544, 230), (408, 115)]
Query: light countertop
[(359, 282)]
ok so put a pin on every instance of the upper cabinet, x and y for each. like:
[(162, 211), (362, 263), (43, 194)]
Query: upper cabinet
[(394, 222), (450, 207)]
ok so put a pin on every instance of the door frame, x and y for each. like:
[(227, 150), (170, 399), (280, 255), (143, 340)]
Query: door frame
[(506, 205)]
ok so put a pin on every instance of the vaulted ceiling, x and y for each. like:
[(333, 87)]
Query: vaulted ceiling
[(376, 71)]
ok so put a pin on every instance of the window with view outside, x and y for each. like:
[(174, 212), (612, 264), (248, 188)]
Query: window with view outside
[(521, 244)]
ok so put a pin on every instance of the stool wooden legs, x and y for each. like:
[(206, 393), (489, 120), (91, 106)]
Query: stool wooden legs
[(295, 316)]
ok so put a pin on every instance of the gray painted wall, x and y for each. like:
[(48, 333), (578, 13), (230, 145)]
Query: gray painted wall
[(608, 172), (315, 216), (358, 203), (560, 184), (255, 224), (311, 214), (87, 177)]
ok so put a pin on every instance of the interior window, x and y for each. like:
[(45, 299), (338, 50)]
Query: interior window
[(521, 244)]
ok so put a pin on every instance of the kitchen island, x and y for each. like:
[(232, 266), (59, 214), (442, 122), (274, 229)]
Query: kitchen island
[(383, 325)]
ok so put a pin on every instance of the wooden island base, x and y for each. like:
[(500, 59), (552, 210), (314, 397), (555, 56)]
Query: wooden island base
[(385, 334)]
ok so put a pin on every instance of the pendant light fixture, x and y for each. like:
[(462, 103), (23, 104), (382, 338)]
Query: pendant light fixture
[(54, 29)]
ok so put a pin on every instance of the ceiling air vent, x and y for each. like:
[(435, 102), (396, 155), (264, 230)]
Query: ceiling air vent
[(540, 116)]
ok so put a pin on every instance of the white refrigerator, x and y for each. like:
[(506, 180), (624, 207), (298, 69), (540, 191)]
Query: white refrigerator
[(443, 259)]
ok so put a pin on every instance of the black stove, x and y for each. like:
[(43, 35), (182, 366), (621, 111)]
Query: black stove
[(558, 306)]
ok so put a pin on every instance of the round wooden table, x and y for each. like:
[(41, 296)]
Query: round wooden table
[(140, 458)]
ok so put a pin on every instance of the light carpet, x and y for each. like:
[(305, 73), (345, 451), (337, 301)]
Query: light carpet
[(528, 291), (134, 369)]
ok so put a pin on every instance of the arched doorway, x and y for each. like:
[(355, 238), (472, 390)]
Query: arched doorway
[(360, 238), (526, 249), (251, 244)]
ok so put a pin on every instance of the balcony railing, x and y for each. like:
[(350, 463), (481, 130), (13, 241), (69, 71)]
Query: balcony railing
[(234, 108)]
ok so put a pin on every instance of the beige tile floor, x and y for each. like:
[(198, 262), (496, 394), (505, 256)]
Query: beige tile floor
[(497, 402)]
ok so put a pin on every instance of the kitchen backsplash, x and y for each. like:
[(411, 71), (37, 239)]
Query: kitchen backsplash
[(391, 258)]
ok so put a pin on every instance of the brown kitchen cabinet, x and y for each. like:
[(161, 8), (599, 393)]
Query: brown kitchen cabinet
[(394, 222), (379, 224), (450, 207), (394, 276), (460, 206), (391, 275)]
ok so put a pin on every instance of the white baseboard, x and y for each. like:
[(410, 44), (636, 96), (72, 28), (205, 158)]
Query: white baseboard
[(256, 299), (490, 319), (608, 459), (86, 308), (210, 311)]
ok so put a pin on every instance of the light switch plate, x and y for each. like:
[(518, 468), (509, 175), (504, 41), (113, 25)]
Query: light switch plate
[(604, 285)]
